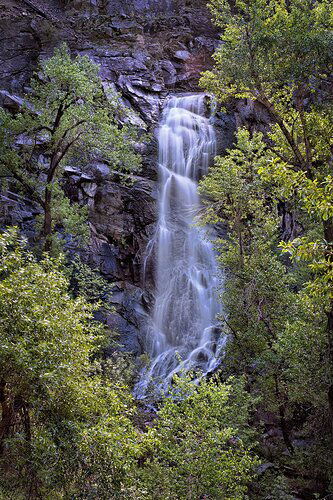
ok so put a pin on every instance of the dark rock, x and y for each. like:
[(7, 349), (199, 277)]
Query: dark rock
[(122, 216), (169, 72), (302, 443), (146, 103), (99, 171), (183, 55), (85, 7), (264, 467), (89, 189), (290, 227), (126, 26), (12, 103), (225, 129), (131, 7), (104, 257), (86, 177), (252, 114), (209, 43), (69, 170), (120, 64)]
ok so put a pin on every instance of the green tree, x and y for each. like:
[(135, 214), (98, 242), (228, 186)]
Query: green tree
[(64, 428), (200, 444), (276, 322), (257, 298), (67, 116), (279, 54)]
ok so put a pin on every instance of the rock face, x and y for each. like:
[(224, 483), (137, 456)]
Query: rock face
[(146, 49), (135, 6)]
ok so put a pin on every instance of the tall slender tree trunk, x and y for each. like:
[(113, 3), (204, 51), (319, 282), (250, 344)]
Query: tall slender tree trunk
[(330, 347), (7, 414), (282, 415), (47, 226), (328, 233)]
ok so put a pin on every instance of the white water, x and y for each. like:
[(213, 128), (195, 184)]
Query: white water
[(183, 333)]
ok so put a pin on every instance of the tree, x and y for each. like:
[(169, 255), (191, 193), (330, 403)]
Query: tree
[(64, 428), (66, 116), (279, 54), (257, 298), (200, 444), (274, 311)]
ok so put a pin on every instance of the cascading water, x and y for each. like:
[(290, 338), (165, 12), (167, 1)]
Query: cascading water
[(183, 332)]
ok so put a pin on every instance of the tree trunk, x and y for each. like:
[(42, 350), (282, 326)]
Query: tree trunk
[(47, 226), (328, 233), (330, 349), (54, 164), (7, 414), (282, 416)]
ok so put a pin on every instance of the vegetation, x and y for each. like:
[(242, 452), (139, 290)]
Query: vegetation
[(278, 309), (262, 427), (201, 443), (62, 423), (67, 116), (68, 430)]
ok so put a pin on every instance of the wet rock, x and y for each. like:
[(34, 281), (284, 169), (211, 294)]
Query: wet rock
[(130, 318), (129, 334), (225, 129)]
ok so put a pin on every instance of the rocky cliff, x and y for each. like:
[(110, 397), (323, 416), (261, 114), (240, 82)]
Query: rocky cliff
[(146, 49)]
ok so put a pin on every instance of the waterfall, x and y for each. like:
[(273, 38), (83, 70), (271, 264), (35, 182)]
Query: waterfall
[(183, 332)]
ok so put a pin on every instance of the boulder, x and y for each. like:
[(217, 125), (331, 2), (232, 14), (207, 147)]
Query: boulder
[(12, 103), (183, 55)]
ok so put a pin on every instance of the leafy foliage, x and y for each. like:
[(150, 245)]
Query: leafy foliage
[(62, 424), (278, 327), (198, 446), (279, 307), (88, 283), (67, 420), (66, 117)]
